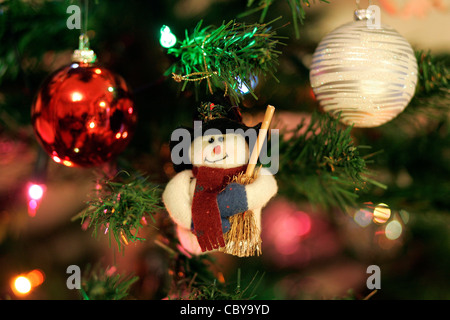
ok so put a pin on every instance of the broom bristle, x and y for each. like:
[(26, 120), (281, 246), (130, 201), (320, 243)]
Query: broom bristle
[(244, 237)]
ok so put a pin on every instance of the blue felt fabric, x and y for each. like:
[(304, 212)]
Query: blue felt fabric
[(232, 200)]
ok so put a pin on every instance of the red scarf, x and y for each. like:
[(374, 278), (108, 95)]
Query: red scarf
[(205, 211)]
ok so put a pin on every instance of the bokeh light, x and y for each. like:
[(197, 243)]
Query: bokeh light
[(24, 283), (381, 213), (288, 228), (393, 230), (167, 39), (36, 277), (363, 217), (35, 191), (243, 88), (35, 194), (404, 215)]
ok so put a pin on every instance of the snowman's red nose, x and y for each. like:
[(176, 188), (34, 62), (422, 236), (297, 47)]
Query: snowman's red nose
[(217, 150)]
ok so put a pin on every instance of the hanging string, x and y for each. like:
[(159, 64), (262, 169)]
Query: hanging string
[(358, 2), (84, 54), (86, 14), (84, 39)]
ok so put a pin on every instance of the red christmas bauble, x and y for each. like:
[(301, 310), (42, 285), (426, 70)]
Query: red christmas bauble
[(83, 115)]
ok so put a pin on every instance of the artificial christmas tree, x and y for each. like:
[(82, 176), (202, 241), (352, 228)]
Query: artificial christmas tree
[(347, 197)]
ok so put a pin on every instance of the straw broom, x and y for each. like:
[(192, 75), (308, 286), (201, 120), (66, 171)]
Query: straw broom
[(244, 237)]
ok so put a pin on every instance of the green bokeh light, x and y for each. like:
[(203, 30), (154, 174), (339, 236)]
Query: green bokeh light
[(167, 39)]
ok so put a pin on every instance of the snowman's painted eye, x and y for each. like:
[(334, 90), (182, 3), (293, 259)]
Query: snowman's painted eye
[(220, 139), (211, 140)]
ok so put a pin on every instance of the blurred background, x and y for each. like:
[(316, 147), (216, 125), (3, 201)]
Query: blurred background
[(308, 252)]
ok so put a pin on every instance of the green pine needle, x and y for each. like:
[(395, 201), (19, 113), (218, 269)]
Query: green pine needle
[(208, 111), (221, 291), (121, 208), (97, 284), (226, 57), (432, 96), (433, 74), (321, 162), (296, 6)]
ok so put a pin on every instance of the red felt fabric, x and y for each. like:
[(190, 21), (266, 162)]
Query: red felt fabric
[(205, 211)]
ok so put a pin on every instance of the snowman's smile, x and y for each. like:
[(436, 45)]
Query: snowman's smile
[(206, 159)]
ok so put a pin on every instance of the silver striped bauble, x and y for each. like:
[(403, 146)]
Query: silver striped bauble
[(366, 74)]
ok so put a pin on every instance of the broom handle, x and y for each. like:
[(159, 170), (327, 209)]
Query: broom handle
[(260, 140)]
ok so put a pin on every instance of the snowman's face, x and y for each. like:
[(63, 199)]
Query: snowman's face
[(219, 150)]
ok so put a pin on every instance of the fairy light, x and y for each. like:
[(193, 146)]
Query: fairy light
[(23, 284), (35, 191), (381, 213), (363, 217), (404, 215), (35, 194), (167, 38), (289, 228), (393, 230), (243, 88), (32, 206), (36, 277)]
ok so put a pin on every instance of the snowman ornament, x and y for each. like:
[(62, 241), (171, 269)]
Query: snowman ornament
[(204, 196)]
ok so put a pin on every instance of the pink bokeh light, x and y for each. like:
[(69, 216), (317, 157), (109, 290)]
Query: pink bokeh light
[(35, 191), (294, 235), (287, 228), (35, 194)]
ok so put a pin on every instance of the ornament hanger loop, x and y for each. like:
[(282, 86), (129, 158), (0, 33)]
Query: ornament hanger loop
[(83, 42), (363, 14), (84, 54)]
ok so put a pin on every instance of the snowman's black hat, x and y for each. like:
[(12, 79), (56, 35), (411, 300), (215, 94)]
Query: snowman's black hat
[(225, 125), (222, 124)]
